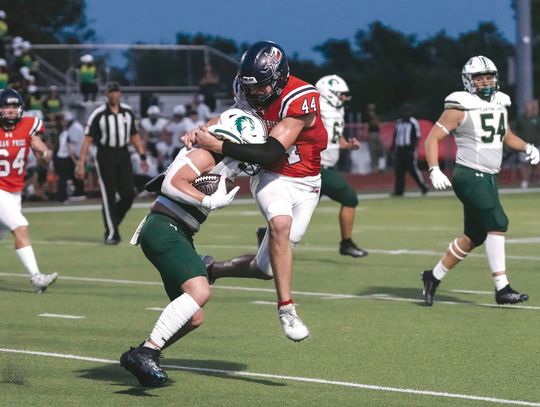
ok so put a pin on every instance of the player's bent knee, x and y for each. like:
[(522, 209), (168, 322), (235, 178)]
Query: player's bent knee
[(477, 238), (350, 199)]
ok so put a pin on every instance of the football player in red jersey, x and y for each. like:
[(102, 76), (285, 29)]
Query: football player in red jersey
[(18, 135), (288, 186)]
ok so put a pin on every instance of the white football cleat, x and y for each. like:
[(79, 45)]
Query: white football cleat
[(292, 325), (40, 282)]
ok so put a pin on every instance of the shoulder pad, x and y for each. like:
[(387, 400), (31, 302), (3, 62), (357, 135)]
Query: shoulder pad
[(467, 101), (503, 99), (461, 101)]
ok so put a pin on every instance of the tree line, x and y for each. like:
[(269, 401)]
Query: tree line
[(381, 65)]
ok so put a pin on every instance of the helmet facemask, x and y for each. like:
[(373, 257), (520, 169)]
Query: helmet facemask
[(333, 89), (10, 97), (263, 65), (476, 66)]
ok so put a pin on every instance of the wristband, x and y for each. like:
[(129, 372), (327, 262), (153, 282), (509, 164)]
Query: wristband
[(143, 157)]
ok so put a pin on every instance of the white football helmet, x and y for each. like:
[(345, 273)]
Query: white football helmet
[(475, 66), (240, 126), (87, 59), (153, 111), (331, 88)]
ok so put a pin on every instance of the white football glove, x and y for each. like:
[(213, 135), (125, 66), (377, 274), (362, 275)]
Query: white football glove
[(220, 198), (532, 154), (438, 179)]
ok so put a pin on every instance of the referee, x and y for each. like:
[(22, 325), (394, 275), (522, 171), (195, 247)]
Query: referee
[(406, 136), (110, 127)]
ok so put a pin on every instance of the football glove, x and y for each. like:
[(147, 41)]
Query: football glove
[(438, 179), (220, 198), (532, 154)]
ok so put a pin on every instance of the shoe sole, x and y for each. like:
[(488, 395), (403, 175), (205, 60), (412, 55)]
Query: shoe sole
[(365, 254), (128, 364), (41, 290)]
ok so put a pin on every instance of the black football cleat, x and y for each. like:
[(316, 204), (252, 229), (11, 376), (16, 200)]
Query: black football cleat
[(260, 235), (349, 248), (209, 262), (143, 363), (508, 295), (430, 286)]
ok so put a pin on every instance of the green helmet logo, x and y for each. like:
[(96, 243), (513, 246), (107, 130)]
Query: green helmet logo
[(244, 123)]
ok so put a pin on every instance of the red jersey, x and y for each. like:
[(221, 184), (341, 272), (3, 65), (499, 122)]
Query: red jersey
[(303, 158), (14, 148)]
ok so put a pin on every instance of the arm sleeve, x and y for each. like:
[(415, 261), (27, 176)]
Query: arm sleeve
[(262, 154)]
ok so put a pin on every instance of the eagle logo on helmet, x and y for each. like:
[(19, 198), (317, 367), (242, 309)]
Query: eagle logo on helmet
[(273, 59)]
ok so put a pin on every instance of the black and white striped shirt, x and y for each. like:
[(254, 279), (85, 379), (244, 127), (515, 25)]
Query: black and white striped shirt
[(406, 132), (110, 129)]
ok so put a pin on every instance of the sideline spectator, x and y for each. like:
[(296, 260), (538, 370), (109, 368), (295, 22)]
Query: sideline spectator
[(4, 74), (151, 128), (34, 100), (4, 31), (69, 144), (204, 113), (52, 105), (405, 144), (176, 126), (208, 86), (88, 78), (528, 127), (110, 127), (374, 137)]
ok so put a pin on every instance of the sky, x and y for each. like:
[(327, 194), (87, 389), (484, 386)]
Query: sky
[(296, 25)]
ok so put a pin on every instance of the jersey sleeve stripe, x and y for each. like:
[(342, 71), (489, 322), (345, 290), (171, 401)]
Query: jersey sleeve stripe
[(290, 98), (36, 126)]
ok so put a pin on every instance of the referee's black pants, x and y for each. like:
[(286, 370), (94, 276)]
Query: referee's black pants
[(406, 162), (115, 177)]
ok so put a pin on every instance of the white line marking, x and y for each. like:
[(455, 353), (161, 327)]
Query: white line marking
[(305, 248), (295, 379), (61, 316), (266, 302), (375, 296), (471, 292), (155, 309), (242, 201)]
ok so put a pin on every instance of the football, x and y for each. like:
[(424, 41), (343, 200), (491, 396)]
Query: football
[(208, 183)]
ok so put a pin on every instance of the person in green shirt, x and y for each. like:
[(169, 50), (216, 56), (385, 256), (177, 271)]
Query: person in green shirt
[(88, 78), (4, 29)]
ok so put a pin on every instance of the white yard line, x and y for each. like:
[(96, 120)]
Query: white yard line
[(327, 296), (61, 316), (294, 379), (304, 248)]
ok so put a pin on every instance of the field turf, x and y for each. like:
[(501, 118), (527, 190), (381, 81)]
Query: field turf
[(372, 342)]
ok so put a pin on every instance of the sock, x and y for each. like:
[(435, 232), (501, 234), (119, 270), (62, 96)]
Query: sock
[(500, 281), (496, 258), (281, 304), (27, 258), (439, 271), (174, 316)]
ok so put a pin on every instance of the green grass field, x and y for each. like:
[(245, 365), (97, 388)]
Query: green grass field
[(372, 342)]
